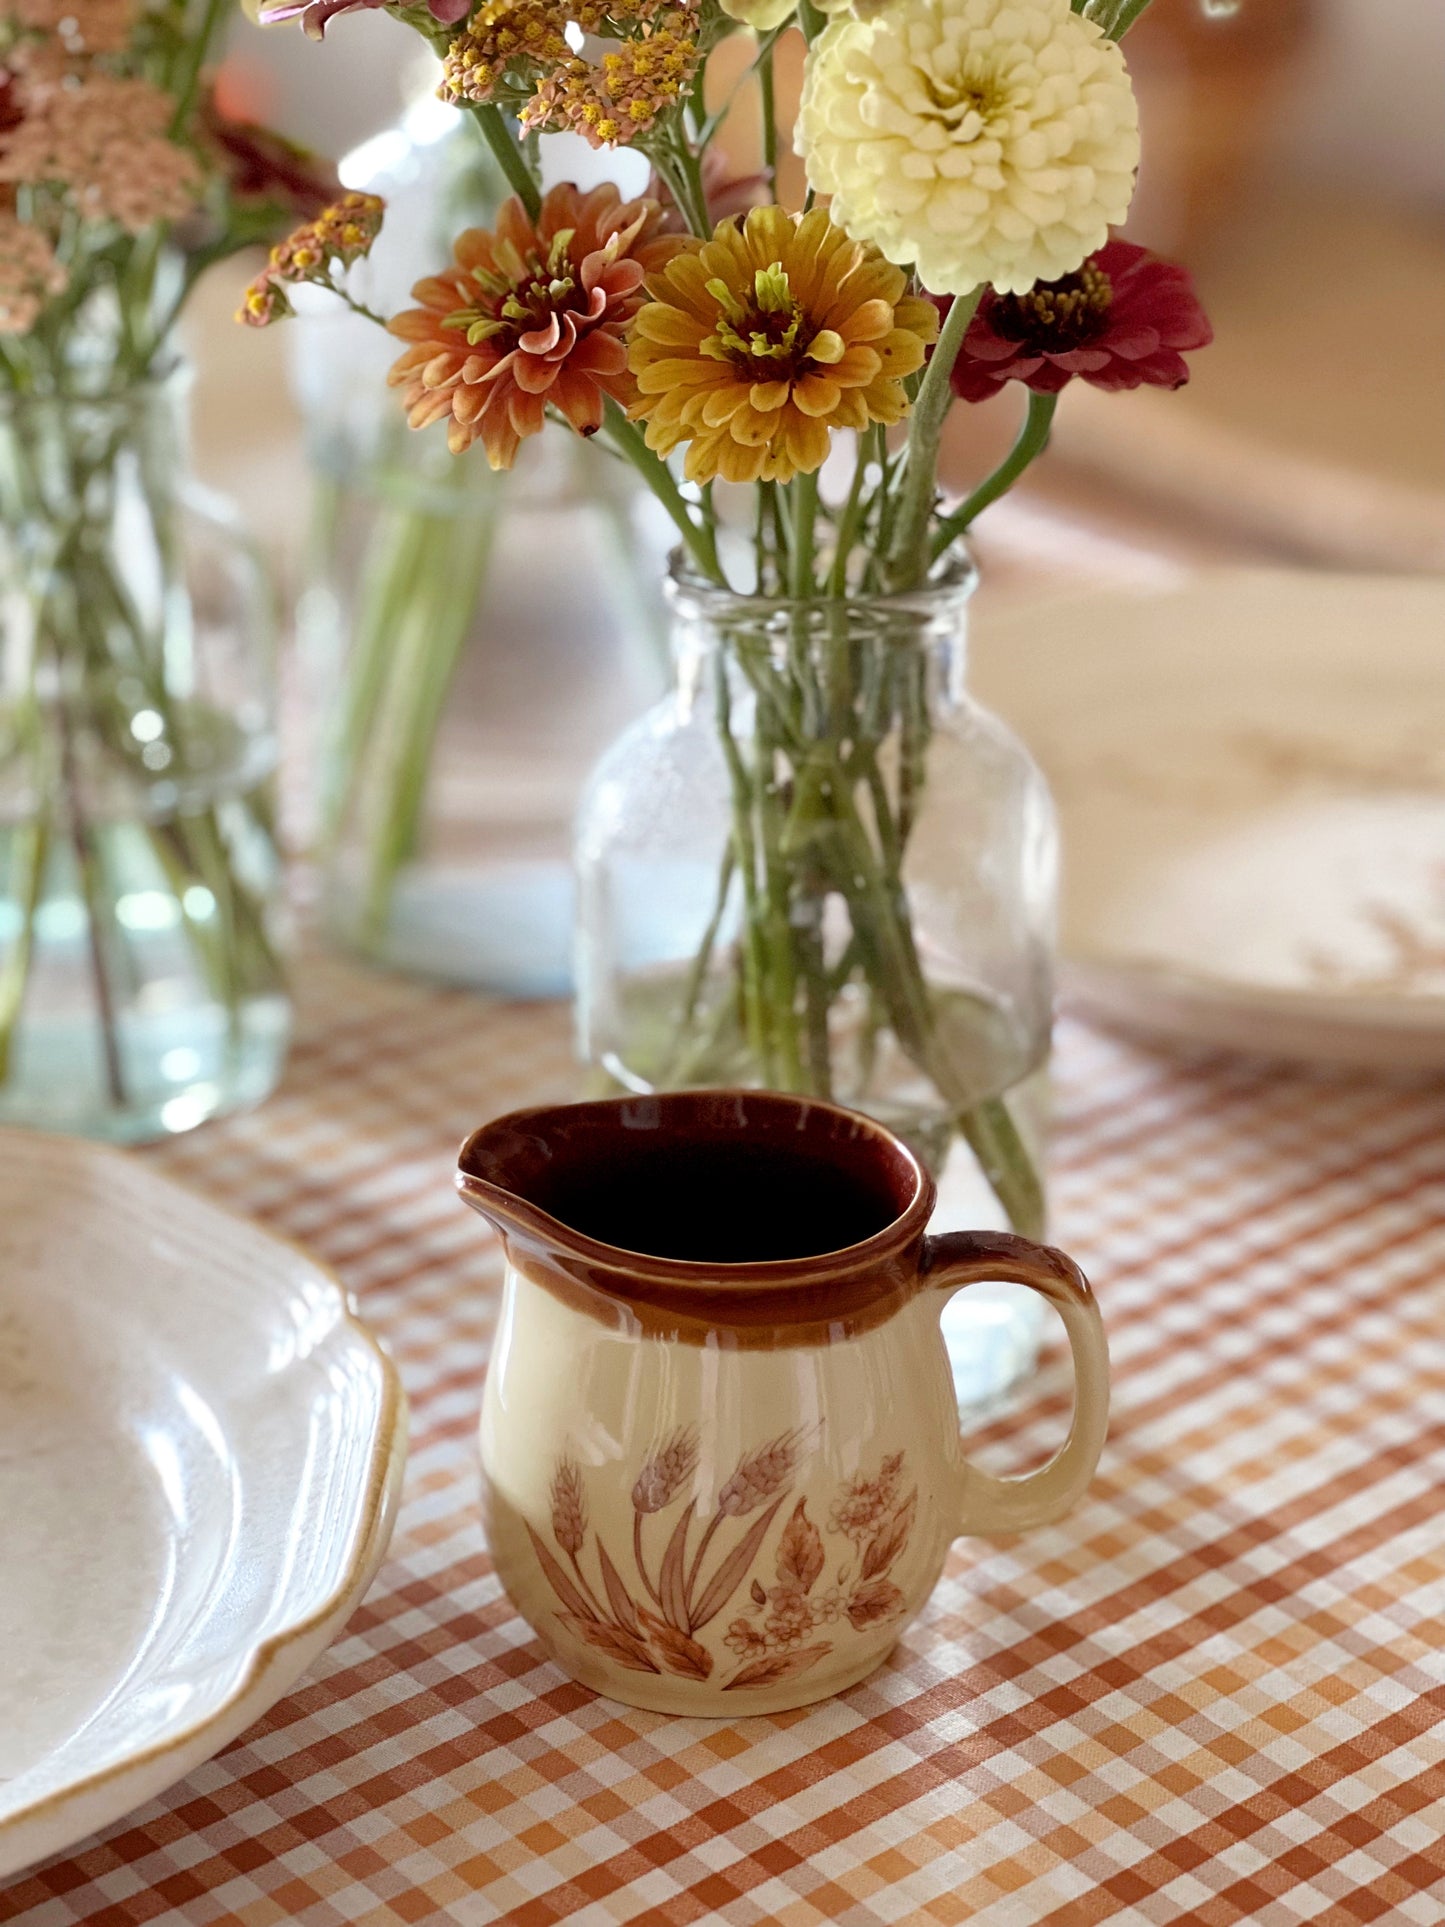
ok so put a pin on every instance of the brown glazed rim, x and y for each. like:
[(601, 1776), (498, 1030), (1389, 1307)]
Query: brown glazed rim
[(763, 1304)]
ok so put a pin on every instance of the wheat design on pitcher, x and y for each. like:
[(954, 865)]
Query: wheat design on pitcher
[(652, 1624)]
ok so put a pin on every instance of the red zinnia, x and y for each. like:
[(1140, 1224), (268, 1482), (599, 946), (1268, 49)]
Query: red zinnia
[(1123, 319)]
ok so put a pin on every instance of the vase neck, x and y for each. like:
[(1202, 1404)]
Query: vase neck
[(846, 651)]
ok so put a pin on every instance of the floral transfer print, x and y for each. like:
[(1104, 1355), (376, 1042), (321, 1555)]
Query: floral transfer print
[(650, 1623)]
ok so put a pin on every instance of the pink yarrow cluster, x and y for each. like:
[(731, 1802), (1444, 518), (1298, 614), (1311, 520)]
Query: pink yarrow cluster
[(80, 27), (104, 140), (29, 275)]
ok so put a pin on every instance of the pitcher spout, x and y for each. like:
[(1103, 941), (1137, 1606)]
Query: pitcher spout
[(502, 1169)]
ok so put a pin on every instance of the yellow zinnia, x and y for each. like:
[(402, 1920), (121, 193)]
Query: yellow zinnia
[(758, 342)]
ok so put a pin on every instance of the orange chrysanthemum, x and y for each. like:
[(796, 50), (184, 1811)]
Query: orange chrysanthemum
[(530, 318), (758, 342)]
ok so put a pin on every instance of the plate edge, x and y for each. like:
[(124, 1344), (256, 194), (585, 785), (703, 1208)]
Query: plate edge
[(384, 1472)]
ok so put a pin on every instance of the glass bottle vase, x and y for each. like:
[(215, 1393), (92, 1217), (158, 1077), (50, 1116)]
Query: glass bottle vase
[(140, 988), (820, 866)]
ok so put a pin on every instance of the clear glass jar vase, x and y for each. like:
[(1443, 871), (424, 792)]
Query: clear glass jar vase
[(819, 866), (140, 989)]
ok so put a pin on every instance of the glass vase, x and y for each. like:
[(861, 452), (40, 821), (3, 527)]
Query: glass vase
[(474, 640), (820, 866), (489, 634), (140, 990)]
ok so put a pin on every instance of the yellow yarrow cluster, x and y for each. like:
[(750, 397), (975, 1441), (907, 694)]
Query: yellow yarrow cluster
[(618, 98), (340, 234), (505, 35), (518, 50)]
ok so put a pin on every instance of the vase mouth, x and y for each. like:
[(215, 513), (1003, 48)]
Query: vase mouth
[(951, 581)]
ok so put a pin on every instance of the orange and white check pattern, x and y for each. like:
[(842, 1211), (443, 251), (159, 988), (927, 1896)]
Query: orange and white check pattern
[(1215, 1694)]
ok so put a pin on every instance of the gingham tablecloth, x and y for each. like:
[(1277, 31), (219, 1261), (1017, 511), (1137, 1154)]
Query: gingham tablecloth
[(1216, 1693)]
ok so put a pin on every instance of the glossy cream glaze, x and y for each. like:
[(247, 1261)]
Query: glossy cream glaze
[(720, 1488)]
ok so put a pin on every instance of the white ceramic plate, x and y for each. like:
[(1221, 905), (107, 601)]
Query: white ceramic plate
[(1250, 771), (200, 1455)]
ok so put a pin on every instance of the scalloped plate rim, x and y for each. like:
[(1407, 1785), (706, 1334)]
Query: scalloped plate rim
[(68, 1815)]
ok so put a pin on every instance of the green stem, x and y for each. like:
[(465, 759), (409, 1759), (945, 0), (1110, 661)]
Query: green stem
[(184, 85), (692, 990), (627, 439), (509, 157), (395, 557), (33, 846), (782, 962), (847, 531), (908, 560), (88, 874), (769, 111), (358, 307), (751, 950), (804, 494), (681, 171), (1032, 438), (991, 1134), (454, 556), (1124, 19), (766, 42), (871, 884)]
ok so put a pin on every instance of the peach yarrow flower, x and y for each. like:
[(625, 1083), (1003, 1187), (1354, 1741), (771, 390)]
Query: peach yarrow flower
[(757, 343), (340, 235), (531, 317)]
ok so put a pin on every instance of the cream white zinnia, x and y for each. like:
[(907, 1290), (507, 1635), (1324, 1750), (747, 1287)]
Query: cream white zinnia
[(984, 140), (761, 15)]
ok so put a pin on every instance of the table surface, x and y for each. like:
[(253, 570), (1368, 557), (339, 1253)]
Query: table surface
[(1216, 1693)]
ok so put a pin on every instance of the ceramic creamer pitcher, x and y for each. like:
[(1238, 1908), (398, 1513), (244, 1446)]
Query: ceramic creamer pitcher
[(719, 1440)]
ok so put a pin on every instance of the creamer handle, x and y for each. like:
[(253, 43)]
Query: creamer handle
[(990, 1504)]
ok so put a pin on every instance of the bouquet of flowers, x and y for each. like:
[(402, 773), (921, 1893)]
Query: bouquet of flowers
[(967, 162), (133, 813)]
